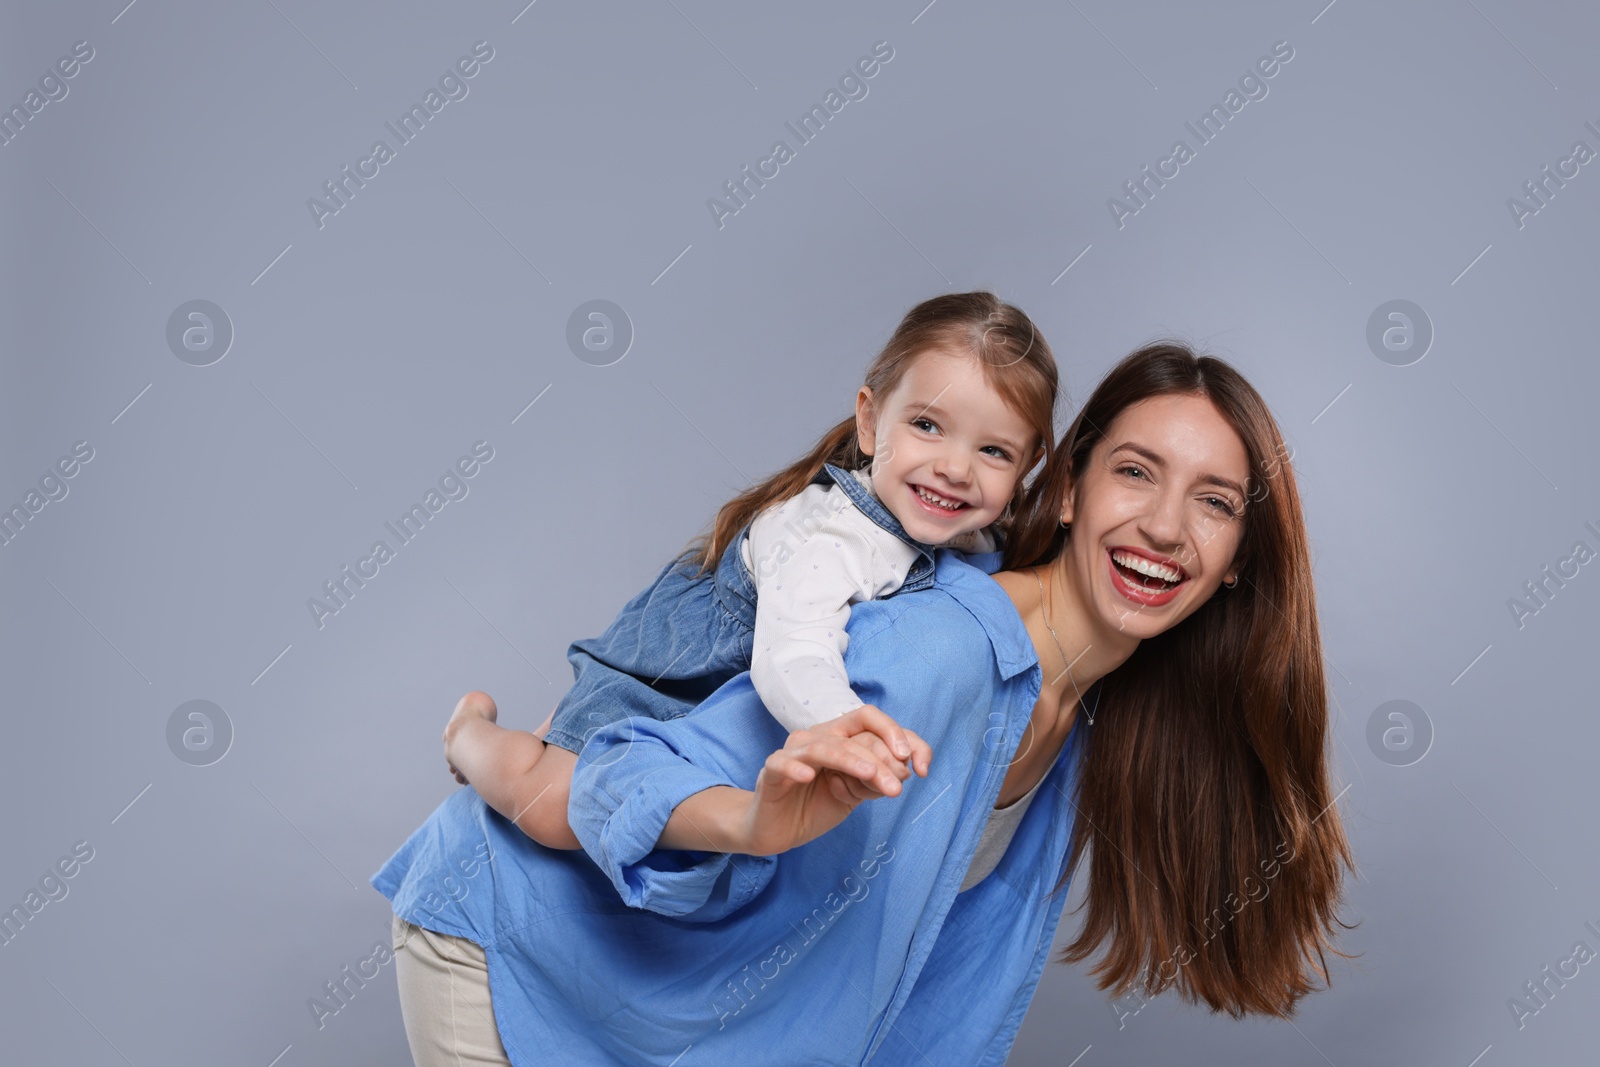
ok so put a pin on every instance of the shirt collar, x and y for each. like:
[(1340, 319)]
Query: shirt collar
[(966, 578)]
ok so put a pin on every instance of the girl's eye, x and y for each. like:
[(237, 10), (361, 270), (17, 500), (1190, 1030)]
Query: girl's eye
[(926, 425), (998, 452)]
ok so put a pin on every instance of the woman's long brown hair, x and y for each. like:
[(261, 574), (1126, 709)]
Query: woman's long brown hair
[(1205, 790), (1016, 361)]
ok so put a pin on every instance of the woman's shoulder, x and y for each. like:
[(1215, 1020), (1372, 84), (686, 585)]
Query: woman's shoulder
[(964, 618)]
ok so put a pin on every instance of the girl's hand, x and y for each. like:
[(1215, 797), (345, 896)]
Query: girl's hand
[(475, 705), (819, 776)]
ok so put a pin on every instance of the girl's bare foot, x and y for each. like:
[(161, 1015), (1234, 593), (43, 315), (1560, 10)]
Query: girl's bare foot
[(475, 705)]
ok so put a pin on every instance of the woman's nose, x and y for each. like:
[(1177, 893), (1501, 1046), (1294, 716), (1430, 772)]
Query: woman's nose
[(1163, 522)]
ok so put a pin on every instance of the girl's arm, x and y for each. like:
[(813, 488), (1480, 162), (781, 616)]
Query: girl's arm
[(809, 566)]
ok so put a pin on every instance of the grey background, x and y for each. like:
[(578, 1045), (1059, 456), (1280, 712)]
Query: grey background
[(426, 315)]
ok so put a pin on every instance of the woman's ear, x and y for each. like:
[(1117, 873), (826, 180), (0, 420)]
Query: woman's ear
[(1066, 512), (866, 422)]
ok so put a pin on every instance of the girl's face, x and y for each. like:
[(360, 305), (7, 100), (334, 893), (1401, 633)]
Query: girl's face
[(947, 450), (1159, 514)]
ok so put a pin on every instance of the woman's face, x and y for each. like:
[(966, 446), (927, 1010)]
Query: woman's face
[(1158, 514)]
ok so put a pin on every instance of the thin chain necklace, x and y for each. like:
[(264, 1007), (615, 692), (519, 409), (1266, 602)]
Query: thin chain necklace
[(1044, 613)]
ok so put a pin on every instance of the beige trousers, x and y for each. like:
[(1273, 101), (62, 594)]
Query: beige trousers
[(444, 999)]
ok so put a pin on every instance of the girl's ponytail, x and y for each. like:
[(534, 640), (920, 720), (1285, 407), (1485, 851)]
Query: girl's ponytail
[(838, 446), (1016, 361)]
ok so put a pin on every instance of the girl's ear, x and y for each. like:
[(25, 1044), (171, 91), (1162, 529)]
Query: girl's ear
[(866, 422)]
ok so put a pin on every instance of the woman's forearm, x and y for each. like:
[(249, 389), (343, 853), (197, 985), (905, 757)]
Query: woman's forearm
[(712, 820)]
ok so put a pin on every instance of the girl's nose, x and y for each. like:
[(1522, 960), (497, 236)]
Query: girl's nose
[(954, 466)]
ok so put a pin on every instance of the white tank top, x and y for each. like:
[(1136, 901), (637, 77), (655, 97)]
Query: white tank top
[(996, 837)]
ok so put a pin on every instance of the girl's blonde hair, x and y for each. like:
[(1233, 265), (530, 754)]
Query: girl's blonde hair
[(1016, 361)]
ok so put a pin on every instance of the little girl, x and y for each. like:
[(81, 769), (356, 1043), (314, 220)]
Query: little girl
[(955, 411)]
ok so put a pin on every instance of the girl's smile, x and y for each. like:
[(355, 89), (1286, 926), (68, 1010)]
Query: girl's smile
[(937, 503), (947, 449)]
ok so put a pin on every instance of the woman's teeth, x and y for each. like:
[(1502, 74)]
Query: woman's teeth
[(938, 501), (1148, 567)]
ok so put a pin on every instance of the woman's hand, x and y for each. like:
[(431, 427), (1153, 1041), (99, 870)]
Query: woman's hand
[(819, 776)]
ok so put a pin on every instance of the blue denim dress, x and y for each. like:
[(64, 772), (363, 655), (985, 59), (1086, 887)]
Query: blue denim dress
[(678, 641)]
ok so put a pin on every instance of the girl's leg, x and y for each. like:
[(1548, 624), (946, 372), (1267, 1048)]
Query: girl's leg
[(444, 999), (550, 784), (514, 771), (544, 727)]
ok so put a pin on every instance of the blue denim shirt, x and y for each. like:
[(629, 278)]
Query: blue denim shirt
[(920, 576), (736, 587), (855, 948), (687, 633)]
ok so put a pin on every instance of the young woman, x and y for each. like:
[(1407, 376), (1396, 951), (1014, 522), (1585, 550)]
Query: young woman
[(1145, 679)]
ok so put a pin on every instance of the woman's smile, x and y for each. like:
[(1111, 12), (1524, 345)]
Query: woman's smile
[(1163, 485), (1147, 580)]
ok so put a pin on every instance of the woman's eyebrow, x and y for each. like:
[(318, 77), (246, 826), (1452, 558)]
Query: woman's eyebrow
[(1156, 460)]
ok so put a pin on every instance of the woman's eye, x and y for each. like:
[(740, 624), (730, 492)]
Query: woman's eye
[(1220, 504), (1130, 469)]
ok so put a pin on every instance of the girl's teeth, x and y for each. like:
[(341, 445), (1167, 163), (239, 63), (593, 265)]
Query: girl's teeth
[(1147, 567), (938, 501)]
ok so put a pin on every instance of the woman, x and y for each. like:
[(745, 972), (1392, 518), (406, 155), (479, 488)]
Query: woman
[(1146, 676)]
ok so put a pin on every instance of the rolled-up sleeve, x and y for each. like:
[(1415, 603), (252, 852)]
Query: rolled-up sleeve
[(630, 777), (930, 670)]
